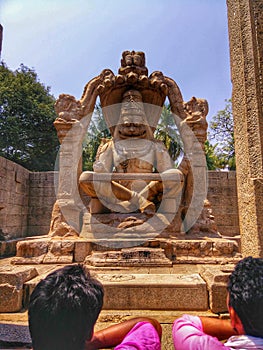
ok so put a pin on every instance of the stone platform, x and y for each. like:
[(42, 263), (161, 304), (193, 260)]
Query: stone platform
[(114, 252), (178, 287)]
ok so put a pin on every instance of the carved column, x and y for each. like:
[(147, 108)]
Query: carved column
[(245, 19)]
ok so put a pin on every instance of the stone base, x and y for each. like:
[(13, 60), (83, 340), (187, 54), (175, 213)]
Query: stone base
[(56, 250), (134, 225), (139, 256)]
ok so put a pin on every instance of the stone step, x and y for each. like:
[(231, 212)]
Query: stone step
[(154, 292), (179, 287), (148, 291)]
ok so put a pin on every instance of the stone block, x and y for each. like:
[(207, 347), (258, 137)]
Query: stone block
[(16, 275), (61, 247), (12, 279), (216, 279), (50, 258), (154, 292), (82, 250), (198, 248), (32, 248), (225, 248), (11, 298)]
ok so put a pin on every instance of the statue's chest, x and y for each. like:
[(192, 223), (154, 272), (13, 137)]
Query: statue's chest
[(133, 149)]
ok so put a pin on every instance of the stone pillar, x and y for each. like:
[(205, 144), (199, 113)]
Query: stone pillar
[(70, 164), (245, 20)]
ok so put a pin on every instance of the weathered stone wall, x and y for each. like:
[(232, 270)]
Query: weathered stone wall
[(27, 200), (41, 199), (222, 193), (14, 196)]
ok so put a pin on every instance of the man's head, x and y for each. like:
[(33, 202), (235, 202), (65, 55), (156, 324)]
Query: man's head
[(63, 309), (245, 293)]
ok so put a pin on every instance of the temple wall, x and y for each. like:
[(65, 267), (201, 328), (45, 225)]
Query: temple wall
[(27, 199), (41, 199), (222, 193), (14, 199)]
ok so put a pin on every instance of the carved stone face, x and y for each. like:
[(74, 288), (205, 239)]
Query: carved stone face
[(132, 122), (132, 126)]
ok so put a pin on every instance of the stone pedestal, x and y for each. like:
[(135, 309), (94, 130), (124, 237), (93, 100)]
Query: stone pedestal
[(129, 252)]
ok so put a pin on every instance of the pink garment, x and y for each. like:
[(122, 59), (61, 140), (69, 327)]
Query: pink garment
[(143, 336), (188, 335)]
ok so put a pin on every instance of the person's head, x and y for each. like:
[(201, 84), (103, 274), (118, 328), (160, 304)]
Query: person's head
[(63, 309), (245, 296)]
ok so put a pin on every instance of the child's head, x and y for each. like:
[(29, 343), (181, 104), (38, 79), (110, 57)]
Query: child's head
[(63, 309), (245, 290)]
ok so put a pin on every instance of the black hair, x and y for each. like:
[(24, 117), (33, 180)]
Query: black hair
[(63, 309), (245, 289)]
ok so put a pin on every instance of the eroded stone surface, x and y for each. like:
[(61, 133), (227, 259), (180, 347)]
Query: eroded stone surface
[(11, 298), (216, 279), (138, 256), (151, 291), (16, 275), (37, 251), (12, 279)]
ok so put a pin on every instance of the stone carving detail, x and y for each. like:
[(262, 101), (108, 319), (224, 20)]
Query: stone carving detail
[(67, 108), (197, 110), (59, 226), (133, 150)]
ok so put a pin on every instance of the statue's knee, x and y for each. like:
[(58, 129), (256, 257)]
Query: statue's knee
[(86, 183), (173, 181)]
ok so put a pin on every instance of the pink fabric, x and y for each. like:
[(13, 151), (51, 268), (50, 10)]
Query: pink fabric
[(143, 336), (188, 335)]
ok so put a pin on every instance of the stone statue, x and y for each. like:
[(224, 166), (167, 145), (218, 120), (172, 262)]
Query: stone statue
[(133, 173), (133, 149)]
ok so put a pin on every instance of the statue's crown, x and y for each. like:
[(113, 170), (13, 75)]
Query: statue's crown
[(132, 76)]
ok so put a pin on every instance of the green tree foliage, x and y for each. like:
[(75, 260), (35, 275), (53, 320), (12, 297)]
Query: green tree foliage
[(97, 131), (167, 132), (212, 160), (27, 134), (222, 136)]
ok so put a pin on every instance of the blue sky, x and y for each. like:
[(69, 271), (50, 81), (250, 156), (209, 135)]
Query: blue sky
[(68, 42)]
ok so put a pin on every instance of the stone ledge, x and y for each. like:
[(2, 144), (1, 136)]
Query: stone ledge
[(49, 250)]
